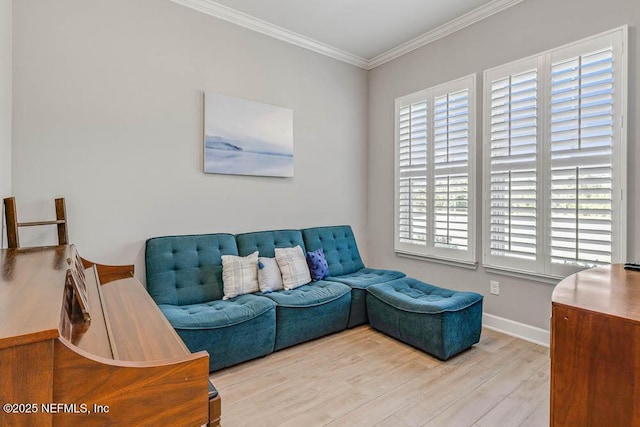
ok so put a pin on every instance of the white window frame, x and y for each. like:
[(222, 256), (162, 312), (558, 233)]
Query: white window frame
[(542, 268), (463, 258)]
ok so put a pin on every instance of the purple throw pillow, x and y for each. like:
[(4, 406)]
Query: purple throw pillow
[(318, 266)]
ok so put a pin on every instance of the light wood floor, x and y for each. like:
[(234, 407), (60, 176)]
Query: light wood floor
[(361, 377)]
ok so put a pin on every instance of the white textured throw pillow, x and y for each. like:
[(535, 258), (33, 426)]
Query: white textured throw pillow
[(294, 268), (269, 276), (239, 275)]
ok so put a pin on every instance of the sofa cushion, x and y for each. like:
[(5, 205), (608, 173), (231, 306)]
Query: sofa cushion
[(310, 311), (412, 295), (313, 294), (339, 246), (240, 274), (217, 313), (265, 242), (366, 277), (187, 269), (231, 331)]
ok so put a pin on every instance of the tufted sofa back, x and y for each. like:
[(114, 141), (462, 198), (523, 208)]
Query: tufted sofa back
[(265, 242), (339, 246), (185, 270)]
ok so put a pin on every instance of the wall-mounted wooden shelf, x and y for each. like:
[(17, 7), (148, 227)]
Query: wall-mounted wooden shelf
[(11, 218)]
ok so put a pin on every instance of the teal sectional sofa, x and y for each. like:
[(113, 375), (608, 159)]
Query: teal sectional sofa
[(184, 277)]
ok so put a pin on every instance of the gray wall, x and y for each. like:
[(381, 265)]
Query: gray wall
[(108, 113), (531, 27), (5, 103)]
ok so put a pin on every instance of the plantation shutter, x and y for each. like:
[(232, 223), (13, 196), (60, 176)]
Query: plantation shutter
[(451, 164), (413, 174), (434, 140), (513, 176), (555, 166), (583, 140)]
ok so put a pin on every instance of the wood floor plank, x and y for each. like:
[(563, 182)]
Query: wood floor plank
[(330, 379), (541, 414), (391, 421), (318, 368), (473, 405), (493, 341), (361, 377), (286, 363), (344, 401), (436, 388), (438, 395), (514, 409), (287, 356)]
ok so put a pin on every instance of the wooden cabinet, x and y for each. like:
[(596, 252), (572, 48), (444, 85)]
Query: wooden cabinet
[(595, 349)]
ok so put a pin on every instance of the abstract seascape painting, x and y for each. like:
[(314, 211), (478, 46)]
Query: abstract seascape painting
[(243, 137)]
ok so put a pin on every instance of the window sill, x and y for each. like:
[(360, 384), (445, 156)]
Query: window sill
[(523, 274), (471, 265)]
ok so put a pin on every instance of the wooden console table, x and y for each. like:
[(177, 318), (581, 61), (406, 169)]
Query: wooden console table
[(595, 349), (119, 362)]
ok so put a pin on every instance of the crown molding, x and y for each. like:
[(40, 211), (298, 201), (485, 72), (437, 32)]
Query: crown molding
[(217, 10), (469, 18), (212, 8)]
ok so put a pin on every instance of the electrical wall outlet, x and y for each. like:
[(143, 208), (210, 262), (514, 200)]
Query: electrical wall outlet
[(494, 287)]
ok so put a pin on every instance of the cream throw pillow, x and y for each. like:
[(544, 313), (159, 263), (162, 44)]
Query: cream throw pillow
[(293, 265), (269, 276), (239, 275)]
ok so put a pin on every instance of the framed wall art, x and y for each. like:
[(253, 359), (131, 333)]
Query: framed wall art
[(243, 137)]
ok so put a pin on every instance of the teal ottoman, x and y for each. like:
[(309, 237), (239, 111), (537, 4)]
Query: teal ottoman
[(438, 321)]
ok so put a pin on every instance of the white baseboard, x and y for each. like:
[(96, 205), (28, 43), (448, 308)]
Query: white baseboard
[(516, 329)]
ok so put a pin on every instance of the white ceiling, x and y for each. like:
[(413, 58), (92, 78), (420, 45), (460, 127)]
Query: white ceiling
[(362, 32)]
